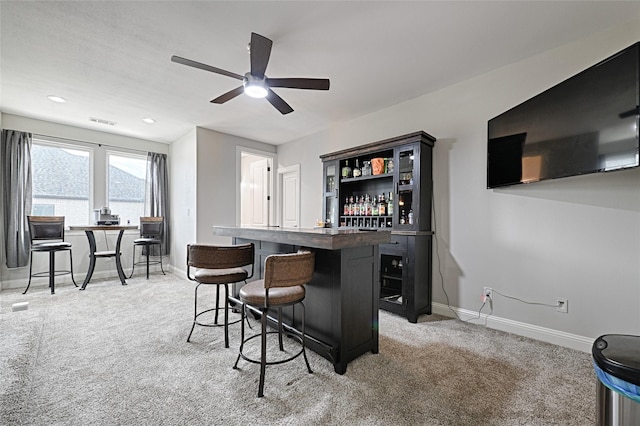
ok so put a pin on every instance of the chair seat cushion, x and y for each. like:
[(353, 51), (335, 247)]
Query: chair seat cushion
[(57, 245), (254, 293), (146, 241), (220, 276)]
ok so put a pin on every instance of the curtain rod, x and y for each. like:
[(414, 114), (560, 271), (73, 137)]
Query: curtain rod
[(54, 138)]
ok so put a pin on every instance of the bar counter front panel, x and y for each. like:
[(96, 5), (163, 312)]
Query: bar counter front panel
[(342, 299)]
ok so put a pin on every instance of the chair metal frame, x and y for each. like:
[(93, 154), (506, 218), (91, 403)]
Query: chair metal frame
[(222, 259), (151, 230), (275, 264), (47, 236)]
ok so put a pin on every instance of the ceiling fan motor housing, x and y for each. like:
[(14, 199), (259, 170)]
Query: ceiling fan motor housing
[(254, 86)]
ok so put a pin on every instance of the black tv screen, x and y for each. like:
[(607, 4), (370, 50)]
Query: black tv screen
[(586, 124)]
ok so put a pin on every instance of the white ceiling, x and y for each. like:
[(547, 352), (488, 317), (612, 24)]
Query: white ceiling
[(111, 60)]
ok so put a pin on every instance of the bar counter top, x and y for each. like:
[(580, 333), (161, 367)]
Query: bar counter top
[(320, 238)]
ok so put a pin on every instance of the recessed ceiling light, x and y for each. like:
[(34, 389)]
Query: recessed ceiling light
[(56, 99), (148, 120)]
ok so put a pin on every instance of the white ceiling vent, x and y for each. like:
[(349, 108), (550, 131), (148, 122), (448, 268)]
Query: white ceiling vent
[(101, 121)]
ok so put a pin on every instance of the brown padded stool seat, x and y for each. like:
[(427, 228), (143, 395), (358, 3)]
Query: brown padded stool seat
[(254, 293), (220, 276)]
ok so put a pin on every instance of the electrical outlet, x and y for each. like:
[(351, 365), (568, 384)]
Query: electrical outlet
[(562, 305), (487, 293)]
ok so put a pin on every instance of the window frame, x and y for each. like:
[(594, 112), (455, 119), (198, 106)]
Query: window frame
[(76, 146), (98, 168)]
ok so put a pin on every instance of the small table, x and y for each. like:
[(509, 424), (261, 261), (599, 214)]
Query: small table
[(93, 253)]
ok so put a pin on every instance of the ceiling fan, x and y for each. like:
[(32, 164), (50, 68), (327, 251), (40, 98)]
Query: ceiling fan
[(255, 83)]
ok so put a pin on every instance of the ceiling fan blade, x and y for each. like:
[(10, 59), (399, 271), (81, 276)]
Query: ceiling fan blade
[(228, 96), (279, 103), (260, 51), (299, 83), (205, 67)]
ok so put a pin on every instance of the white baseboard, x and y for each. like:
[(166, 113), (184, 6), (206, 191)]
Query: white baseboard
[(177, 271), (548, 335)]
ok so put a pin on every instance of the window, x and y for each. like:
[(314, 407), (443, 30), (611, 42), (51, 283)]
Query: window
[(126, 175), (61, 181)]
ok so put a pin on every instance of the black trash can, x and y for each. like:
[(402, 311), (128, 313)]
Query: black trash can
[(616, 359)]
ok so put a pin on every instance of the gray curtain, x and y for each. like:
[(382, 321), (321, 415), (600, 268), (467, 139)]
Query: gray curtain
[(156, 196), (16, 195)]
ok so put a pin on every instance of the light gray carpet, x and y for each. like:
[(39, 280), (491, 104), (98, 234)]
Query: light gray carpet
[(118, 355)]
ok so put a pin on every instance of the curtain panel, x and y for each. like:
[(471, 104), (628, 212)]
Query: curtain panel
[(16, 195), (156, 197)]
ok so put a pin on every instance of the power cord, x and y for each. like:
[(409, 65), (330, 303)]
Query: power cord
[(523, 301)]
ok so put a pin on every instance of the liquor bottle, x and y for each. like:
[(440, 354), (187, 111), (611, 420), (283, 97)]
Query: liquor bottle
[(374, 207), (356, 170), (390, 205), (382, 208), (402, 217), (351, 207), (363, 207), (345, 209), (411, 217), (346, 170)]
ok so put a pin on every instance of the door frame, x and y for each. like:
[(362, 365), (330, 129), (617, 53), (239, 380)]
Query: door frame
[(273, 198)]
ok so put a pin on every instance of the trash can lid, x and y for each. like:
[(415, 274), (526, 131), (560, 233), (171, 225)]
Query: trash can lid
[(618, 355)]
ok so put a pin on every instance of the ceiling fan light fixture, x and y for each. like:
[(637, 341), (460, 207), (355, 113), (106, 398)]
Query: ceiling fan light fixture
[(255, 87), (57, 99)]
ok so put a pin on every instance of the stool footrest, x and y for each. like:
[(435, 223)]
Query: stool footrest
[(280, 361)]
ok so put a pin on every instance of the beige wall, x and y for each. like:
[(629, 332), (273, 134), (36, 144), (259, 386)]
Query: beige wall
[(575, 238), (218, 165), (204, 166)]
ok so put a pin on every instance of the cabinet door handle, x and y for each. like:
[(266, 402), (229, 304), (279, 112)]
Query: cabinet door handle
[(336, 191), (397, 189)]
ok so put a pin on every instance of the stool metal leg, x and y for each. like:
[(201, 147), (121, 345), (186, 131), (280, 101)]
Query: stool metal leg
[(226, 315), (280, 329), (71, 268), (215, 321), (244, 315), (195, 312), (133, 263), (148, 247), (52, 271), (30, 270), (263, 353)]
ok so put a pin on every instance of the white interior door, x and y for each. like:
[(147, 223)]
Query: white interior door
[(259, 192), (290, 196)]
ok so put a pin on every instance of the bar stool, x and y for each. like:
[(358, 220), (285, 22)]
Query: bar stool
[(283, 285), (218, 265), (151, 230), (47, 236)]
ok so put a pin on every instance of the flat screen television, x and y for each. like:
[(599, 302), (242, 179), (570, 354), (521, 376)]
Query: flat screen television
[(586, 124)]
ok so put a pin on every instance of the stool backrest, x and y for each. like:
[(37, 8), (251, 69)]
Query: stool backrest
[(151, 227), (46, 227), (220, 257), (288, 270)]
